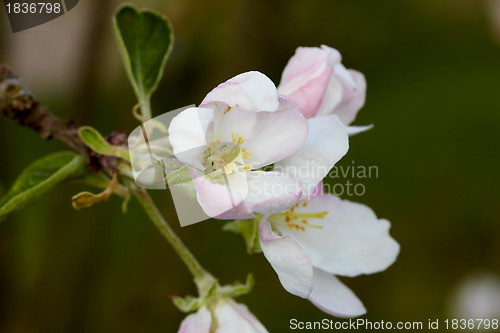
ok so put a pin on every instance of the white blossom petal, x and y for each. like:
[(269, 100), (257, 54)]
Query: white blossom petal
[(326, 144), (353, 99), (353, 130), (351, 86), (271, 192), (235, 318), (222, 199), (230, 121), (198, 322), (352, 240), (188, 134), (289, 260), (251, 91), (277, 134), (332, 97), (333, 297)]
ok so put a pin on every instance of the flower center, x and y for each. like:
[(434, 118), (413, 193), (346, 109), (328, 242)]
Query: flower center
[(296, 220), (226, 157)]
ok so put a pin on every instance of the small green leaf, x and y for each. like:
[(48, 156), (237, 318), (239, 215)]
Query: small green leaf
[(95, 141), (84, 200), (40, 177), (186, 304), (145, 39), (249, 229), (213, 291), (238, 289)]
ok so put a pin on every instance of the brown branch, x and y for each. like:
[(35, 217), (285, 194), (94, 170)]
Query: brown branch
[(19, 104)]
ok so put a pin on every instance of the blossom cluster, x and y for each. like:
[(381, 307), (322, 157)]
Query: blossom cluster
[(257, 152)]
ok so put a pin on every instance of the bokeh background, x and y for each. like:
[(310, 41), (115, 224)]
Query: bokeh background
[(433, 70)]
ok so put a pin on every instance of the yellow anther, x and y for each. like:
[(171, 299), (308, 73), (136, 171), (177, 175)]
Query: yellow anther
[(248, 167), (235, 136), (246, 155), (298, 221)]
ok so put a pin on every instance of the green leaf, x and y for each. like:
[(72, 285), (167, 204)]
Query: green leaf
[(95, 141), (238, 289), (40, 177), (249, 229), (145, 38), (186, 304)]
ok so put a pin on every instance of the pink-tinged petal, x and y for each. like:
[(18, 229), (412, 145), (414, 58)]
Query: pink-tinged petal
[(351, 240), (333, 297), (251, 91), (198, 322), (318, 190), (289, 260), (353, 130), (353, 100), (352, 85), (332, 97), (271, 192), (334, 56), (233, 317), (307, 63), (188, 134), (221, 198), (325, 145), (241, 211), (277, 134), (310, 96)]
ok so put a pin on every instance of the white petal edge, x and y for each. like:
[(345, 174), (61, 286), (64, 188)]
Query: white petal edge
[(330, 295), (198, 322), (271, 192), (187, 133), (277, 134), (289, 260), (353, 130), (233, 317), (251, 91), (353, 97), (219, 200), (326, 143)]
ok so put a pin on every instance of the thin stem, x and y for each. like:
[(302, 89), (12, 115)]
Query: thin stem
[(146, 109), (202, 278)]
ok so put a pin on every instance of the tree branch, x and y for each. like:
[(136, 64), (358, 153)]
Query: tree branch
[(20, 105)]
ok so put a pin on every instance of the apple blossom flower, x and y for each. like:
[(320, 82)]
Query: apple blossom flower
[(225, 316), (330, 96), (320, 238), (318, 82), (240, 127)]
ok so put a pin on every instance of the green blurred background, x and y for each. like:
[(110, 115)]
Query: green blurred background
[(433, 70)]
